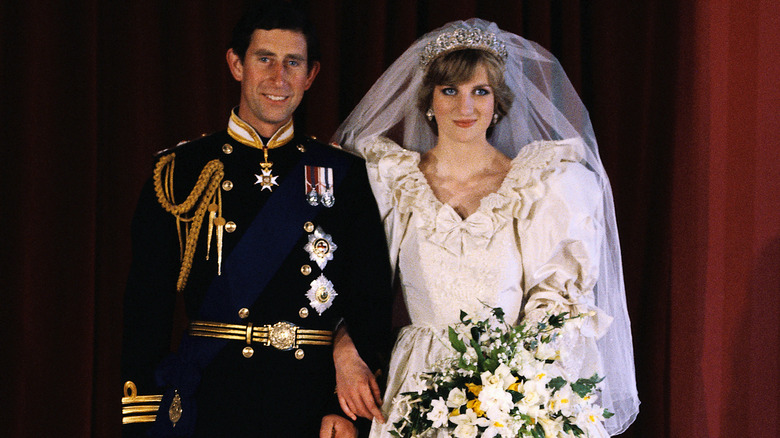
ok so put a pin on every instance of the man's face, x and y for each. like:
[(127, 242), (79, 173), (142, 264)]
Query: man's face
[(274, 75)]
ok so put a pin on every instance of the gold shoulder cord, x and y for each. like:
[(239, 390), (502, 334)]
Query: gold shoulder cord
[(206, 195)]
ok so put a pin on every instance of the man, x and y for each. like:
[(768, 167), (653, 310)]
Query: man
[(272, 239)]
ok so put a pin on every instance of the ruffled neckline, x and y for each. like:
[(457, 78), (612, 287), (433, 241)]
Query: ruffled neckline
[(400, 168), (409, 190)]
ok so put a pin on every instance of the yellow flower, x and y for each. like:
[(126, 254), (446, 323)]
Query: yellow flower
[(514, 387), (474, 406), (474, 389)]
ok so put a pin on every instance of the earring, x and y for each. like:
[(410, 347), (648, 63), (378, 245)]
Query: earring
[(495, 119), (429, 114)]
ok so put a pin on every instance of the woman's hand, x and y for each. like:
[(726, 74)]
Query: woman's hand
[(336, 426), (358, 391)]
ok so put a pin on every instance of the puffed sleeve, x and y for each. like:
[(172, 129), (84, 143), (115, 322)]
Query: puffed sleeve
[(560, 240), (394, 186)]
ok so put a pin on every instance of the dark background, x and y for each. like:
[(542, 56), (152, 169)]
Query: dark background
[(684, 100)]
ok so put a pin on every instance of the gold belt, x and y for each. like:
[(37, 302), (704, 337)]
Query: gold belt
[(282, 335)]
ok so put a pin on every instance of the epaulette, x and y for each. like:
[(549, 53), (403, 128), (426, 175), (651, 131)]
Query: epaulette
[(178, 145), (314, 139)]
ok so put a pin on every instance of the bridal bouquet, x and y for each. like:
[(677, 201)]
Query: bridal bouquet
[(501, 382)]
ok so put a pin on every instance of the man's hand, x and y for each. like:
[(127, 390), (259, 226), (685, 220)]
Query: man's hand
[(336, 426), (357, 389)]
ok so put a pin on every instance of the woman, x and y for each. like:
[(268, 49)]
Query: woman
[(496, 195)]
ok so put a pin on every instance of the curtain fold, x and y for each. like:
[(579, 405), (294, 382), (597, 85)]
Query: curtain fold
[(683, 99)]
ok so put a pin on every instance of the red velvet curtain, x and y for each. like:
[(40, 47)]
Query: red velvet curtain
[(683, 97)]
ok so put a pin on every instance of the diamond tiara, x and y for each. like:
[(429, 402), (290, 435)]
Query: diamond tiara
[(463, 39)]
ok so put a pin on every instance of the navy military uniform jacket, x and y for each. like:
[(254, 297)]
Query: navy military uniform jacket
[(273, 392)]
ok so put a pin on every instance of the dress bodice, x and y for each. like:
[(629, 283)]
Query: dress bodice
[(531, 247), (513, 251), (448, 263)]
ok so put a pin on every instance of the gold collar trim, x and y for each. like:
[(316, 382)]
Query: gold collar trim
[(244, 133)]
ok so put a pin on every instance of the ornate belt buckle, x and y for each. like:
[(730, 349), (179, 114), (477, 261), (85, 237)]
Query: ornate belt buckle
[(282, 335)]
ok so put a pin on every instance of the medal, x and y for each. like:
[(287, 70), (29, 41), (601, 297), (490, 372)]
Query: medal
[(266, 179), (321, 294), (319, 186), (320, 247)]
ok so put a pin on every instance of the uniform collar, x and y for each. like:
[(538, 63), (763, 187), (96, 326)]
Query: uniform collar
[(244, 133)]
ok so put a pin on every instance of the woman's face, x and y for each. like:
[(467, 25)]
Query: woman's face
[(464, 112)]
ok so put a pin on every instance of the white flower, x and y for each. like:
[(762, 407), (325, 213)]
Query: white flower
[(563, 401), (504, 373), (495, 402), (547, 351), (403, 405), (470, 355), (552, 427), (588, 416), (418, 384), (534, 394), (468, 424), (456, 398), (439, 413)]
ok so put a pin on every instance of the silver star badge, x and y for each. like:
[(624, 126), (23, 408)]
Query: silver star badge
[(320, 247), (321, 294)]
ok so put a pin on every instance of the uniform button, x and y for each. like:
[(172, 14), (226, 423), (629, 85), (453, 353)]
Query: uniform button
[(248, 352), (299, 354), (305, 269), (227, 149), (304, 312), (243, 313), (227, 185), (308, 227), (230, 227)]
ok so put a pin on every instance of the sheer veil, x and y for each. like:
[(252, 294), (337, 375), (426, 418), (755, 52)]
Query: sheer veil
[(545, 107)]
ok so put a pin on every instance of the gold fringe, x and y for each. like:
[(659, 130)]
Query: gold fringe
[(203, 194)]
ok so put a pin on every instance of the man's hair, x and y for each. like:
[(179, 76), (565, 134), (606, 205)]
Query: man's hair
[(270, 15), (457, 67)]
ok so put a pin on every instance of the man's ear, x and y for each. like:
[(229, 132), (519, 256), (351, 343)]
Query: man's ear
[(235, 64), (315, 68)]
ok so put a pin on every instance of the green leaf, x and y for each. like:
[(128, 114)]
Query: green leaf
[(457, 344), (607, 413), (538, 431), (499, 313), (572, 428), (594, 379), (557, 320), (557, 383), (581, 389), (491, 364), (475, 333)]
